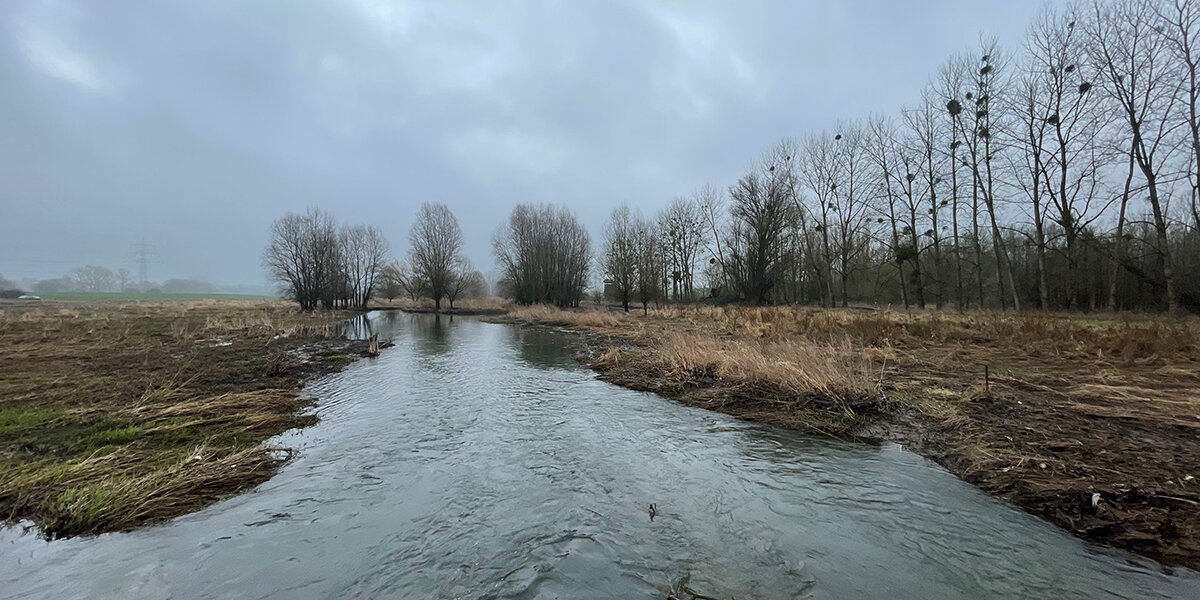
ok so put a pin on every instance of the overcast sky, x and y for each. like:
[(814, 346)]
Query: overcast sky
[(196, 123)]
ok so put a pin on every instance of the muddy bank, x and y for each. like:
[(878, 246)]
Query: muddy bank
[(115, 416), (1105, 471)]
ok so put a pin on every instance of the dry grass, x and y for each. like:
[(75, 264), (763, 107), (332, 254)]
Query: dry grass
[(116, 489), (112, 414), (593, 320), (798, 367)]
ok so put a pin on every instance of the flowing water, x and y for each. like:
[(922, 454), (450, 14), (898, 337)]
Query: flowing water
[(480, 461)]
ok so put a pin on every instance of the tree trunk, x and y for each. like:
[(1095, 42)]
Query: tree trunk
[(918, 281), (958, 276), (1164, 249), (1119, 248)]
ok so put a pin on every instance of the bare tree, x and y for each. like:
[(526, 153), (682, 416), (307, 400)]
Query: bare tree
[(882, 148), (923, 125), (913, 194), (1030, 169), (955, 90), (760, 209), (302, 255), (714, 217), (649, 262), (1180, 26), (466, 282), (948, 86), (123, 279), (1132, 61), (391, 278), (819, 174), (544, 255), (851, 194), (621, 255), (682, 227), (364, 252), (979, 120), (1061, 75), (436, 245), (92, 278)]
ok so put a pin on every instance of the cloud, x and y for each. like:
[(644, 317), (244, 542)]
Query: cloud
[(512, 151), (246, 110), (43, 43)]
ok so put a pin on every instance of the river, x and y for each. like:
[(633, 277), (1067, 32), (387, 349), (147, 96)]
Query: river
[(476, 460)]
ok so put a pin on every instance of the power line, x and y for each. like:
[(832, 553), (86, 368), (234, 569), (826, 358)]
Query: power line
[(143, 255)]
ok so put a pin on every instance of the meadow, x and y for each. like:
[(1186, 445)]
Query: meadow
[(143, 297)]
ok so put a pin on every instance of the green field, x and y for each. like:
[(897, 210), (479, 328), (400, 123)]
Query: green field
[(144, 297)]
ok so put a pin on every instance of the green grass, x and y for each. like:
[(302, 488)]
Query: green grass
[(144, 297)]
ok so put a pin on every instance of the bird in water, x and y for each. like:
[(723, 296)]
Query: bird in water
[(653, 511)]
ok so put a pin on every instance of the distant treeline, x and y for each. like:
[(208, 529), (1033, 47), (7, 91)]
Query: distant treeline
[(97, 279), (544, 253)]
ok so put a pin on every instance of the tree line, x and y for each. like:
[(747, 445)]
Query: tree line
[(100, 279), (544, 254), (321, 264), (1064, 174)]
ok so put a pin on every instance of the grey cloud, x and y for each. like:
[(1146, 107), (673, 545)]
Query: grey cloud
[(197, 123)]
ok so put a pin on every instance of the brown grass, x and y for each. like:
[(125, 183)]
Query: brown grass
[(116, 414), (595, 320), (800, 368)]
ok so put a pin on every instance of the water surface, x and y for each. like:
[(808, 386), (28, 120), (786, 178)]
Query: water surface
[(480, 461)]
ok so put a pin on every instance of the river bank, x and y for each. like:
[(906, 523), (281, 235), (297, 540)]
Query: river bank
[(1088, 422), (115, 415)]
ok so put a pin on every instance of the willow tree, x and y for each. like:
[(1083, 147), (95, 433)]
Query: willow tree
[(544, 255), (761, 206), (436, 249)]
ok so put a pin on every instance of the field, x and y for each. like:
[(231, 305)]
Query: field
[(1091, 422), (113, 415), (141, 297)]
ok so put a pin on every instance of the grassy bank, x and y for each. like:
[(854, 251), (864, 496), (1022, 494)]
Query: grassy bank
[(1092, 422), (114, 415)]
